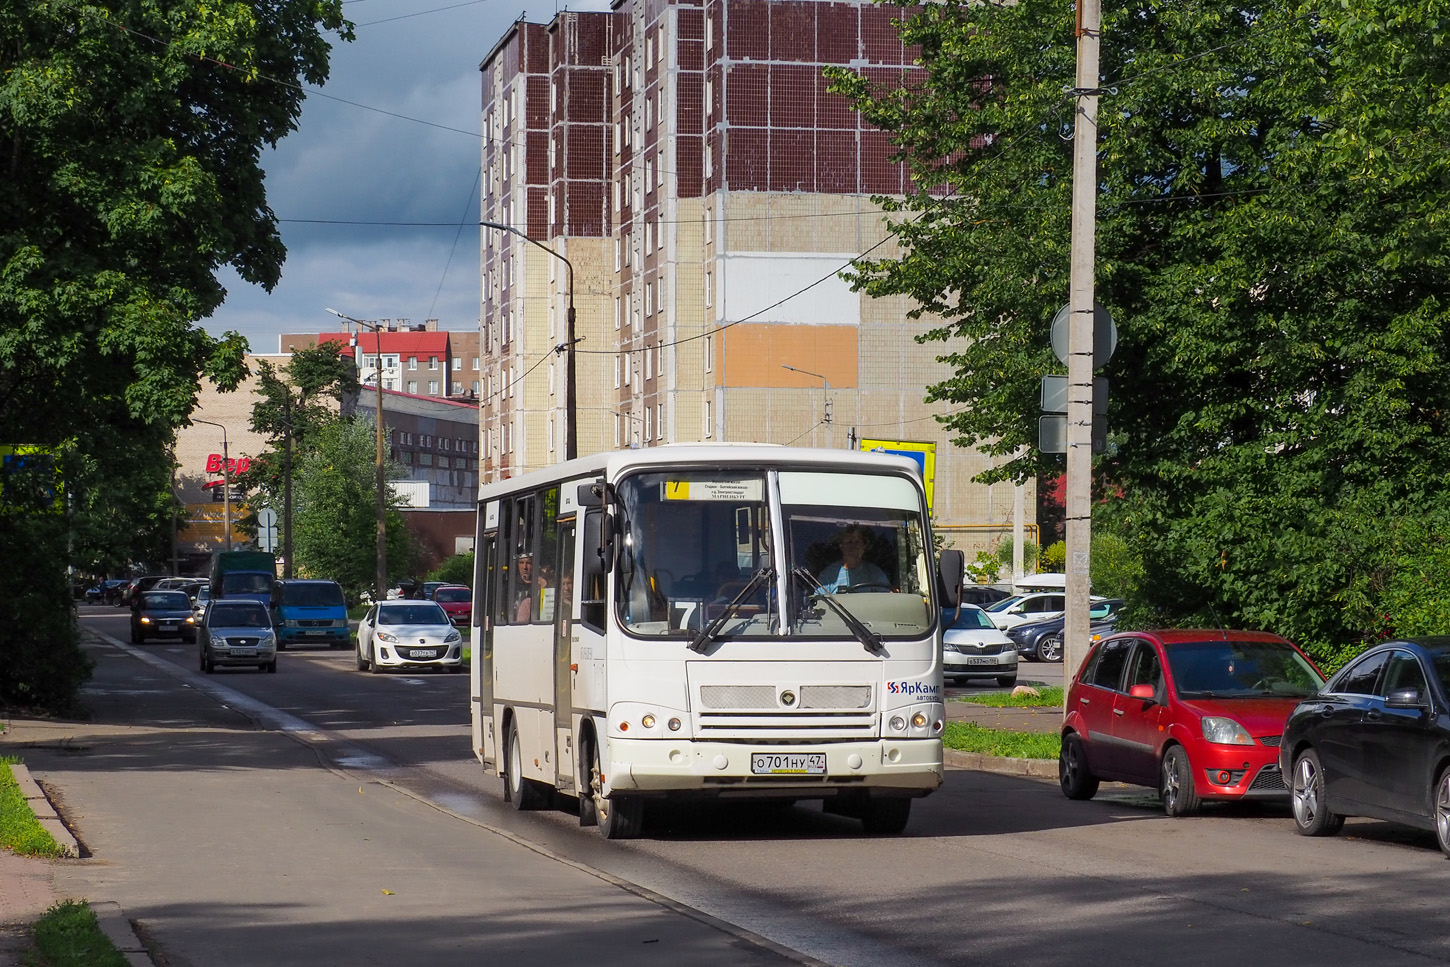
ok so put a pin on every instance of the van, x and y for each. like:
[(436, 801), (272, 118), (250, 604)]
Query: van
[(309, 612)]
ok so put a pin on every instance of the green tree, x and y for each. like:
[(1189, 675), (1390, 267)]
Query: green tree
[(131, 137), (458, 569), (335, 520), (1270, 239), (293, 404)]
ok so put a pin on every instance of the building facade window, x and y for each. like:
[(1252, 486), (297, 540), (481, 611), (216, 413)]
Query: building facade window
[(413, 386)]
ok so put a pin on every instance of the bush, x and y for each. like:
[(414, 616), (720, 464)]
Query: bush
[(1053, 559), (458, 569)]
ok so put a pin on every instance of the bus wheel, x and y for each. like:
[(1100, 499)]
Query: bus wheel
[(524, 793), (885, 816), (617, 818), (588, 807)]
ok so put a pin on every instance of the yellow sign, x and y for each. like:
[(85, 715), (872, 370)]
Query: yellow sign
[(924, 454), (677, 490)]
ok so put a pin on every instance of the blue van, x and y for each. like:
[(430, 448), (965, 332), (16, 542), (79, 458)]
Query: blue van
[(309, 612)]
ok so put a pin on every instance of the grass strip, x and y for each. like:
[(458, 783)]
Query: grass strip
[(1047, 697), (68, 935), (20, 831), (971, 737)]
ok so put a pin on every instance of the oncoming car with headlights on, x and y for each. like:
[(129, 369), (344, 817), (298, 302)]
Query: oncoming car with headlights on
[(408, 634)]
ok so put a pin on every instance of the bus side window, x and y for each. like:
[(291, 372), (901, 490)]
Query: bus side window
[(591, 571)]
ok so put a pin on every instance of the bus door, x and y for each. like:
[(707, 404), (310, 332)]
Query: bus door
[(563, 605), (480, 672)]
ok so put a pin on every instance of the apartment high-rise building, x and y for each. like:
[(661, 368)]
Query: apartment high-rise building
[(681, 172)]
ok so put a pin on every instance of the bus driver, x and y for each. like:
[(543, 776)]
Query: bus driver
[(852, 572)]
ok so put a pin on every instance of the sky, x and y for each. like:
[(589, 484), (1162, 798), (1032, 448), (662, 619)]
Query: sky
[(392, 137)]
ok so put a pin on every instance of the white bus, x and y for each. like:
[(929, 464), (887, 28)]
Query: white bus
[(717, 621)]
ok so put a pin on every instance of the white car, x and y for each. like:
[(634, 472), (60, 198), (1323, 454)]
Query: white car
[(973, 647), (408, 634), (1033, 606)]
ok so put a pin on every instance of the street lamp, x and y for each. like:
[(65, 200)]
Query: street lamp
[(571, 432), (825, 393), (226, 484), (382, 548)]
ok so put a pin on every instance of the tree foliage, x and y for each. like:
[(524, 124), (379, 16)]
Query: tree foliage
[(335, 518), (130, 144), (1270, 240)]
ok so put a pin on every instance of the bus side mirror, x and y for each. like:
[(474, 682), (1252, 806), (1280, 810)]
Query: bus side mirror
[(951, 572), (591, 494)]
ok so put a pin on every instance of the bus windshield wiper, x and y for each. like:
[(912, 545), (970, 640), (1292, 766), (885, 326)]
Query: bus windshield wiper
[(708, 633), (863, 634)]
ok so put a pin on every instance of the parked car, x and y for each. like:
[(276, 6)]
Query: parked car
[(119, 594), (1042, 640), (1026, 607), (105, 592), (1375, 741), (163, 614), (200, 601), (456, 600), (407, 633), (973, 647), (1198, 714), (237, 631), (429, 587)]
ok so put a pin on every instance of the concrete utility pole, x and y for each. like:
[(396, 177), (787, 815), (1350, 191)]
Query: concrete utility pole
[(1080, 344)]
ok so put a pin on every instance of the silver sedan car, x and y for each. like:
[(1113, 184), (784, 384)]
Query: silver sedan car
[(408, 634), (237, 632)]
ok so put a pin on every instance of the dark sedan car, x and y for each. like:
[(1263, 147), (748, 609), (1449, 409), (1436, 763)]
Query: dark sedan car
[(1375, 742), (163, 614), (1042, 640)]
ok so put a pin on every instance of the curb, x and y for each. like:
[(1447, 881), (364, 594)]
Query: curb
[(1001, 765), (119, 931), (45, 813)]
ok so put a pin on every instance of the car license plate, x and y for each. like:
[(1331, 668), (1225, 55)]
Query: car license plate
[(424, 653), (314, 632), (982, 661), (244, 653), (788, 763)]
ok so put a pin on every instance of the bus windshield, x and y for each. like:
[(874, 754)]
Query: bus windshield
[(700, 547)]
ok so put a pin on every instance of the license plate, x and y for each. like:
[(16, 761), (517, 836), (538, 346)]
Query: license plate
[(788, 763), (421, 653), (244, 653), (981, 661), (314, 632), (168, 626)]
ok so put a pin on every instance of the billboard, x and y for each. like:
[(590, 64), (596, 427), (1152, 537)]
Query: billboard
[(923, 453)]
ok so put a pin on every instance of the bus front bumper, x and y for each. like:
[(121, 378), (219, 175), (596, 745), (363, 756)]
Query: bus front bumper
[(908, 766)]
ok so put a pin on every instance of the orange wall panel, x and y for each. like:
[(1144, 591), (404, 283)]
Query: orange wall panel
[(756, 355)]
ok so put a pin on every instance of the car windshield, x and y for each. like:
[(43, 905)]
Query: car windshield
[(971, 619), (413, 614), (166, 601), (1240, 669), (321, 595), (453, 595), (999, 606), (238, 616)]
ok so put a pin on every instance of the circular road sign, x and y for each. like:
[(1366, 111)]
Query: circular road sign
[(1105, 334)]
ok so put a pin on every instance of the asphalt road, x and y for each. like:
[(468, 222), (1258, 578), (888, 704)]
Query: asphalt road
[(991, 870)]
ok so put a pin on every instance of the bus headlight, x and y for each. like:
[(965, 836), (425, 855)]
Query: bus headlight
[(897, 723), (648, 721)]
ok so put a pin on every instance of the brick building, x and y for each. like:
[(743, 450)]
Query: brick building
[(687, 161)]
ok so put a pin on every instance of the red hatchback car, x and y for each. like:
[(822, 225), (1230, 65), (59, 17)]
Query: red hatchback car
[(1198, 714), (457, 602)]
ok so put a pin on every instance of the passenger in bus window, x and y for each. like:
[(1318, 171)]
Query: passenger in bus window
[(853, 572), (524, 595)]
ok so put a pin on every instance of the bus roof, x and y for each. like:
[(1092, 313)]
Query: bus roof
[(612, 464)]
